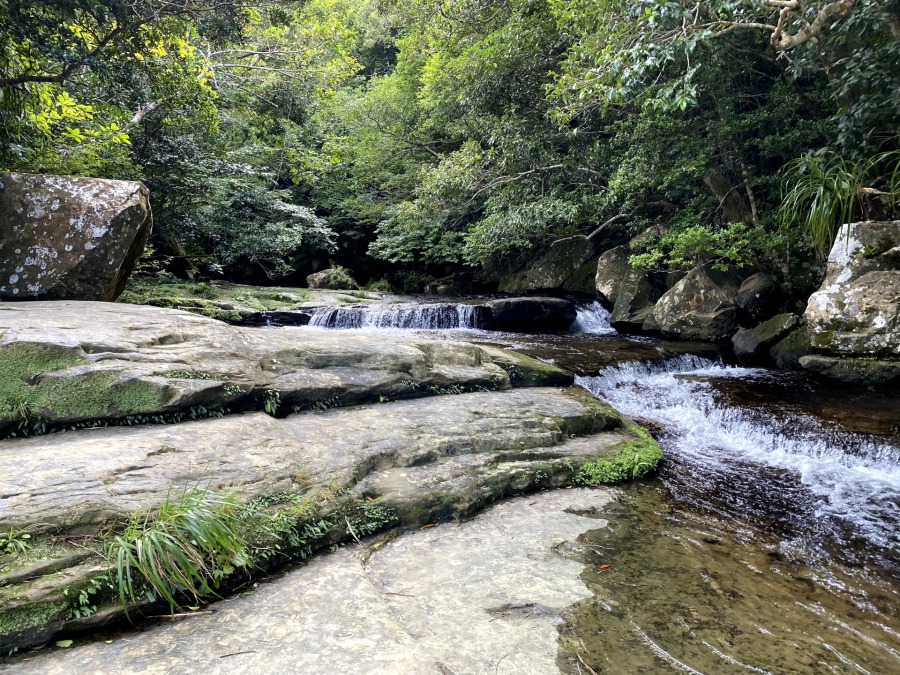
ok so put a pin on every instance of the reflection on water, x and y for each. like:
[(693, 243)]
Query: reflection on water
[(678, 591)]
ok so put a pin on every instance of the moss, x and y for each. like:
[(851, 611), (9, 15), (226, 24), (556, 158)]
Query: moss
[(525, 371), (636, 458), (30, 623)]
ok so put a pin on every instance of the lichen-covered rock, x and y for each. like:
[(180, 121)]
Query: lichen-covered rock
[(700, 306), (553, 270), (856, 312), (64, 237), (855, 315), (752, 342), (531, 315), (334, 278), (760, 295), (629, 293)]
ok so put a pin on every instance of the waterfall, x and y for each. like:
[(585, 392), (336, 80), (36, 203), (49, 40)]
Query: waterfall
[(422, 317), (851, 478), (592, 318)]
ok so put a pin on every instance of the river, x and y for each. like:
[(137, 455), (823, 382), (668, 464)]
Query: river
[(769, 541)]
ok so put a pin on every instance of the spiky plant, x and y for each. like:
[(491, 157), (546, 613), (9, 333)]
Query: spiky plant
[(822, 191), (184, 548)]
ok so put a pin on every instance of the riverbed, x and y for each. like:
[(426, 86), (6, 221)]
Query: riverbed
[(768, 543)]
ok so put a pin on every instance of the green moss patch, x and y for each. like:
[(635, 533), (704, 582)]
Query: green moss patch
[(635, 459)]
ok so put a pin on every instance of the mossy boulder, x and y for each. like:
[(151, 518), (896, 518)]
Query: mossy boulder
[(752, 343), (334, 278)]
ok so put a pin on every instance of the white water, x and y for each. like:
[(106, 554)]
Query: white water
[(421, 317), (592, 318), (853, 478)]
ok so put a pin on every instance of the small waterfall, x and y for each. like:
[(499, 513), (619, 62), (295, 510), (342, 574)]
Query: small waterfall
[(848, 478), (592, 318), (421, 317)]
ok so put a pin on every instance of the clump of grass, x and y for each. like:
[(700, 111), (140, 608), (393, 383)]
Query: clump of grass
[(824, 191), (634, 460), (184, 548)]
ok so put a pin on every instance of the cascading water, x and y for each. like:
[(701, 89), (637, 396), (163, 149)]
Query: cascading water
[(592, 318), (421, 317), (848, 483)]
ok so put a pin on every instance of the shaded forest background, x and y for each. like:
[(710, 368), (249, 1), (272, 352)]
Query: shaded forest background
[(423, 141)]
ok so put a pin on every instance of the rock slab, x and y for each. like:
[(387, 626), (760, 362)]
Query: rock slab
[(483, 596), (65, 237)]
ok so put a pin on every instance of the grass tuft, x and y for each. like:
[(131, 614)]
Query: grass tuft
[(634, 460), (185, 547)]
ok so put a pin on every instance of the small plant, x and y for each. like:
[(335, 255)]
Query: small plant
[(187, 546), (204, 290), (273, 400), (824, 191), (84, 605), (635, 459), (15, 542)]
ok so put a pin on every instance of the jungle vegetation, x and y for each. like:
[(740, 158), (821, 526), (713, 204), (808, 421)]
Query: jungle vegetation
[(420, 139)]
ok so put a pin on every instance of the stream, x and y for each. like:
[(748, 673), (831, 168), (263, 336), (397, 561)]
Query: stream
[(770, 542)]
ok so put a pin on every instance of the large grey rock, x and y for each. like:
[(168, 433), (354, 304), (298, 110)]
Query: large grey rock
[(700, 306), (483, 596), (437, 458), (531, 314), (628, 292), (555, 269), (760, 295), (68, 362), (855, 315), (856, 312), (335, 279), (64, 237), (753, 342)]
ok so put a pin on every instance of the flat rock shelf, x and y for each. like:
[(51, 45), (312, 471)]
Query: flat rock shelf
[(300, 480)]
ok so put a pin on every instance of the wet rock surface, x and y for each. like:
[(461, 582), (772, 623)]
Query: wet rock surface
[(64, 237), (484, 596), (68, 362)]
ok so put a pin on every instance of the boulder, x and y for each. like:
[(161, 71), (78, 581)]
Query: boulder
[(856, 312), (754, 342), (555, 269), (629, 293), (760, 295), (334, 279), (530, 315), (611, 268), (786, 353), (700, 306), (65, 237)]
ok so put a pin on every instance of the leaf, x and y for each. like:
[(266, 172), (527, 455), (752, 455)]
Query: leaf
[(64, 644)]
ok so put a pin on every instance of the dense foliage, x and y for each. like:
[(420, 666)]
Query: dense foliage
[(424, 139)]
